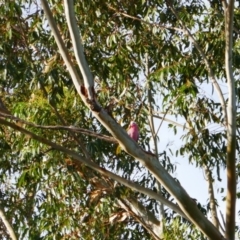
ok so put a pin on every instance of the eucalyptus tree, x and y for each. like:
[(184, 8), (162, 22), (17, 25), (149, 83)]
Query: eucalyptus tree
[(74, 75)]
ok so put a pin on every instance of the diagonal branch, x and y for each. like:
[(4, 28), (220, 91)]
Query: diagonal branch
[(128, 202), (231, 127), (78, 48), (62, 48), (149, 161), (142, 215), (184, 126), (77, 139), (118, 12), (7, 224), (59, 127), (94, 166)]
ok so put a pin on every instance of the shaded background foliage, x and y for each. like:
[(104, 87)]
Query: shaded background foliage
[(44, 194)]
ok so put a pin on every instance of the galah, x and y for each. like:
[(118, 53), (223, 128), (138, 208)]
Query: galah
[(133, 131)]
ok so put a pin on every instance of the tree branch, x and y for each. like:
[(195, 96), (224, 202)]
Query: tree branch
[(153, 165), (142, 215), (223, 220), (137, 209), (78, 48), (213, 208), (173, 122), (63, 50), (7, 224), (59, 127), (77, 139), (94, 166), (154, 136), (231, 127), (118, 12), (207, 63)]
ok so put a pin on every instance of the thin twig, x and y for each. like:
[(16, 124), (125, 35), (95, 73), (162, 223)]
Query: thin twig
[(173, 122), (207, 63), (118, 12), (59, 127), (154, 136), (223, 220), (164, 116), (77, 139)]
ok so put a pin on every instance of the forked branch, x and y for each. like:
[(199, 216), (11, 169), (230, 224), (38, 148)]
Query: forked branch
[(153, 165)]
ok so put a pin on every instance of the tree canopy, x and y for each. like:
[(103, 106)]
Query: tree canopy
[(74, 74)]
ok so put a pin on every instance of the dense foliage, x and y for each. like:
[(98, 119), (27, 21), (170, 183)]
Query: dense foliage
[(150, 59)]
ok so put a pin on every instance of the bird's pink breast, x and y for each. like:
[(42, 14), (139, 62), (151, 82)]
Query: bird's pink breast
[(133, 132)]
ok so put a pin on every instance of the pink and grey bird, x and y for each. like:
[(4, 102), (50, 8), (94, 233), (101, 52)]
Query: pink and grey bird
[(133, 131)]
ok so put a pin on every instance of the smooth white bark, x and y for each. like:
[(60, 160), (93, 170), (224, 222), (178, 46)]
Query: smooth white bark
[(152, 164), (7, 225)]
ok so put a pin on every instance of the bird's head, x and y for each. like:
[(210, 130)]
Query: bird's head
[(133, 124)]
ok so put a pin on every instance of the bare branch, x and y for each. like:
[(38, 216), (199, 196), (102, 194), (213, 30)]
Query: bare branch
[(153, 165), (63, 50), (231, 127), (7, 225), (220, 225), (118, 12), (59, 127), (154, 136), (223, 220), (142, 215), (78, 48), (104, 184), (164, 116), (213, 208), (173, 122), (225, 5)]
